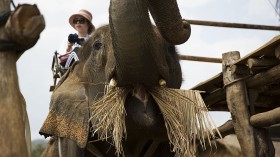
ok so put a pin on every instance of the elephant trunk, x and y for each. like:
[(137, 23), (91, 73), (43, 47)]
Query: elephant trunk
[(169, 21), (138, 47)]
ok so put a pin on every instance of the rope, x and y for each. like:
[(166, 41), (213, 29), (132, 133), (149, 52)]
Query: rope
[(6, 45), (236, 80), (94, 84), (13, 4)]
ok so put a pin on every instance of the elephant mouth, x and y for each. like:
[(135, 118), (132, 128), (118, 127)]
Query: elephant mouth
[(140, 92)]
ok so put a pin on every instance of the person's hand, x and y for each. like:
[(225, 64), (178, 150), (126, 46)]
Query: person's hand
[(69, 47)]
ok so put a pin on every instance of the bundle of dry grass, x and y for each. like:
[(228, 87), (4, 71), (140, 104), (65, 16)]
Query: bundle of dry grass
[(186, 119), (185, 114), (108, 117)]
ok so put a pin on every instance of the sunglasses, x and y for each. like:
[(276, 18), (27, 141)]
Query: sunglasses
[(81, 21)]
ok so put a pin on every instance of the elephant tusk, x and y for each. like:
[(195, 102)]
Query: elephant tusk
[(162, 82), (113, 82)]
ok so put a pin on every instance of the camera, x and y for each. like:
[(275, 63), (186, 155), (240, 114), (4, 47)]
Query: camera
[(74, 38)]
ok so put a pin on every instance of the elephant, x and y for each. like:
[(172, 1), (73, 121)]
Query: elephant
[(19, 30), (137, 55)]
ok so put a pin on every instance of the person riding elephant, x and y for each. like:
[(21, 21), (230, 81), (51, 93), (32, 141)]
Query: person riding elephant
[(82, 23)]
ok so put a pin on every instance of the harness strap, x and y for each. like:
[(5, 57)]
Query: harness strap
[(6, 45)]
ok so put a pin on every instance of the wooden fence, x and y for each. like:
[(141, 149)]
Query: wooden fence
[(249, 88)]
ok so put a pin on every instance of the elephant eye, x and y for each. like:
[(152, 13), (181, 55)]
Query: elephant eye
[(97, 45)]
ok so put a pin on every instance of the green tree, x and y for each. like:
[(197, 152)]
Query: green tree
[(38, 150)]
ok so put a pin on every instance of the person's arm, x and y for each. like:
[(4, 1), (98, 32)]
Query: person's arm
[(69, 47)]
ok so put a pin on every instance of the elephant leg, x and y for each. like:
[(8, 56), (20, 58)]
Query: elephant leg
[(62, 147)]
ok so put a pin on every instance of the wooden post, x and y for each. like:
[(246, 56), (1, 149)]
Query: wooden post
[(237, 100)]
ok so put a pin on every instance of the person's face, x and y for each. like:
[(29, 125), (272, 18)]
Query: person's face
[(81, 24)]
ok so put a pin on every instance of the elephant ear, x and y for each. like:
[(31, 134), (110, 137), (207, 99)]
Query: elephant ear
[(69, 115)]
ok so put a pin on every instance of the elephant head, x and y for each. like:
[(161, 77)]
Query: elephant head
[(137, 55)]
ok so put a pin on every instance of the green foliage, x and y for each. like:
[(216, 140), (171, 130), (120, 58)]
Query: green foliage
[(38, 150)]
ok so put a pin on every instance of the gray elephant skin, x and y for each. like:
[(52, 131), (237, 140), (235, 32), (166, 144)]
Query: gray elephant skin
[(137, 55)]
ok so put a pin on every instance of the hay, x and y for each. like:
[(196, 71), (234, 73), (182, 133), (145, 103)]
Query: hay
[(108, 117), (186, 119), (185, 114)]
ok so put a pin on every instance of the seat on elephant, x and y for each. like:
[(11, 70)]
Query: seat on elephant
[(58, 70)]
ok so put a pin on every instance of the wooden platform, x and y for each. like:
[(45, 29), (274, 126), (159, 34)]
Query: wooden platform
[(261, 71)]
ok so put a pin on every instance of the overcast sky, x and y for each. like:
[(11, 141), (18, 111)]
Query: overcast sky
[(34, 66)]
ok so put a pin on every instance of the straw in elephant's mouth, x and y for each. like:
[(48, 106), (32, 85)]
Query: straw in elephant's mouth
[(184, 112), (141, 94)]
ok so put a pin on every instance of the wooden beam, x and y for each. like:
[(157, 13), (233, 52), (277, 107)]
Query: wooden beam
[(265, 50), (266, 119), (264, 78), (237, 100), (226, 128), (211, 84), (200, 59), (213, 98), (220, 106), (233, 25), (262, 62)]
